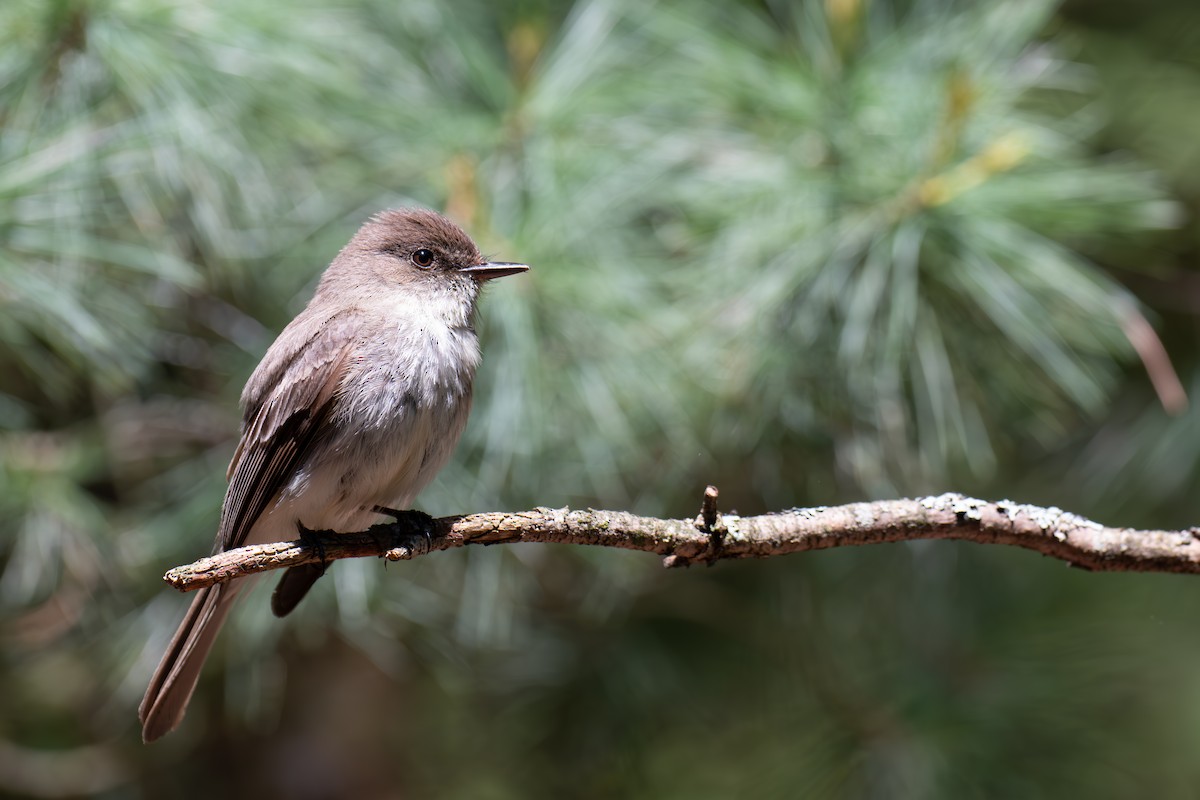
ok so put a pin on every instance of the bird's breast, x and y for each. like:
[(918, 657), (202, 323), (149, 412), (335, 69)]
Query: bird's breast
[(399, 414)]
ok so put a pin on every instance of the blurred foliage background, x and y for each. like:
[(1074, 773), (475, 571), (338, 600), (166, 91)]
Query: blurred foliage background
[(811, 252)]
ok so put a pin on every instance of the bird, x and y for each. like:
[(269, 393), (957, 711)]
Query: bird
[(352, 411)]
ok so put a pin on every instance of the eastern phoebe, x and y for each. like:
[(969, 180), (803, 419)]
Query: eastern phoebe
[(355, 407)]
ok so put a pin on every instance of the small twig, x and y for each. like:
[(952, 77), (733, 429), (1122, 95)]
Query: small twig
[(709, 521), (708, 509), (1050, 531)]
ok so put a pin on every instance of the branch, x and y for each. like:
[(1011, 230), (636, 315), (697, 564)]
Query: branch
[(713, 536)]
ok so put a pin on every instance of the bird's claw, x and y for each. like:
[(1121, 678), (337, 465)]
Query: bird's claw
[(411, 522), (312, 538)]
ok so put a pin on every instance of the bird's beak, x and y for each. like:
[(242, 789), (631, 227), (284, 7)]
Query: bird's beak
[(493, 269)]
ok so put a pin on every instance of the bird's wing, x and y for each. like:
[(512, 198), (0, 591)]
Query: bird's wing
[(288, 401)]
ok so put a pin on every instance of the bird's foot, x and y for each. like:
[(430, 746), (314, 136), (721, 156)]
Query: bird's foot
[(312, 538), (411, 523)]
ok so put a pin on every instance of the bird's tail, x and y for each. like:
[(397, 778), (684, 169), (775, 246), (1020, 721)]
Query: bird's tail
[(175, 679)]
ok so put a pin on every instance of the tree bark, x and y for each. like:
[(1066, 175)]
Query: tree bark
[(713, 536)]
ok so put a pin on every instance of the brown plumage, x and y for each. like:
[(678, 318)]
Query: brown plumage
[(357, 405)]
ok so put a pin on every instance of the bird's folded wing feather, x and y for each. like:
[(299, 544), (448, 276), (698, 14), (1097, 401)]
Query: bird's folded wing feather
[(288, 402)]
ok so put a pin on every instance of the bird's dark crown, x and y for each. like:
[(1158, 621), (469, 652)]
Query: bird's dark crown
[(402, 232)]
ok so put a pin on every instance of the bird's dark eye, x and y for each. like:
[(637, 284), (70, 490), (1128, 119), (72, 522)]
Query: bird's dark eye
[(423, 258)]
